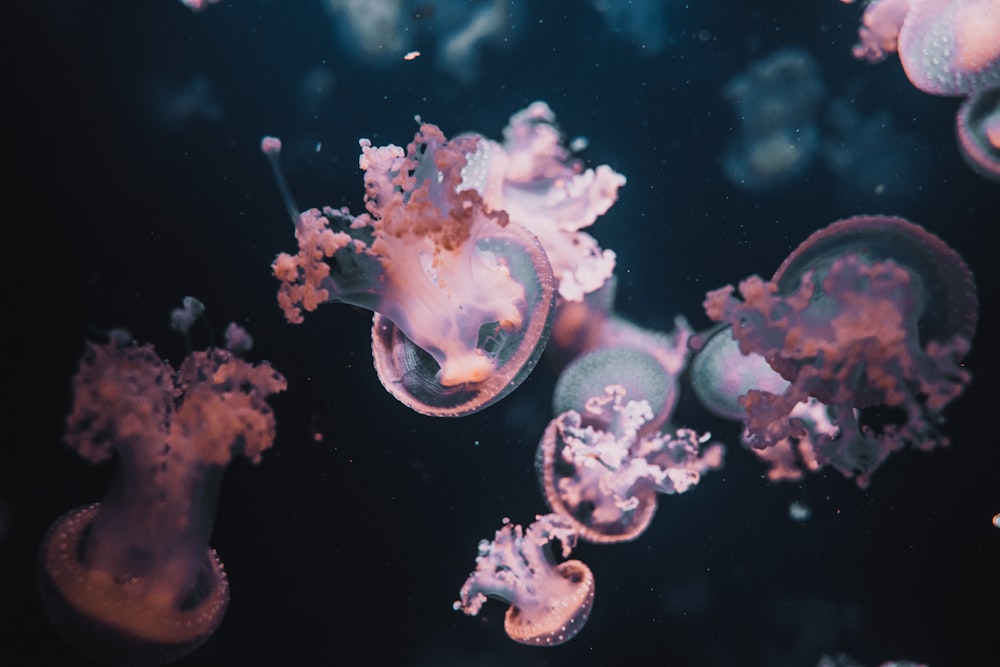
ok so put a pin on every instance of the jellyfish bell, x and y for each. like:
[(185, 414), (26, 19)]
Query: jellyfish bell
[(720, 373), (107, 617), (978, 129), (951, 47), (942, 282)]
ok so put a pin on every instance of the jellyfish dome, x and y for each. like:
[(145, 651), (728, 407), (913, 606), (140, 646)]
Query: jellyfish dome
[(946, 47), (870, 311), (978, 129)]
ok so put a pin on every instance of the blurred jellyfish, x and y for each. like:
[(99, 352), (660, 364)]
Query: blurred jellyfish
[(132, 579), (175, 107), (376, 30), (870, 311), (978, 127), (601, 469), (642, 22), (877, 165), (549, 602), (776, 101), (799, 511), (315, 92), (488, 23), (386, 31)]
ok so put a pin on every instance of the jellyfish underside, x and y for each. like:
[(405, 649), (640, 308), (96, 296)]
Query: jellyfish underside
[(413, 375), (557, 622), (571, 492), (119, 618)]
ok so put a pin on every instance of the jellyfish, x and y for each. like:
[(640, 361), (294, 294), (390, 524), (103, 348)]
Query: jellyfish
[(978, 128), (946, 47), (456, 256), (463, 297), (776, 100), (878, 166), (549, 602), (132, 579), (615, 351), (534, 178), (872, 317), (198, 5), (601, 469)]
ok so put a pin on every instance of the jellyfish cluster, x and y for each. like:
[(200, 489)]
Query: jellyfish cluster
[(471, 256), (948, 48), (476, 259)]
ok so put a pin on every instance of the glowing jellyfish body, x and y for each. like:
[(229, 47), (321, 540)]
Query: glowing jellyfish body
[(549, 602), (455, 255), (869, 311), (946, 47), (132, 579), (978, 129), (776, 101), (601, 468), (464, 297)]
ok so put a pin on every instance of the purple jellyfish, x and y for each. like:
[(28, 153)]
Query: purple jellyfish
[(132, 579), (601, 469), (869, 311)]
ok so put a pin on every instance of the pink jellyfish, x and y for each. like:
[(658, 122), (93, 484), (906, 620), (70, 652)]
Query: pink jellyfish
[(978, 128), (946, 47), (776, 101), (455, 256), (869, 311), (535, 178), (132, 579), (549, 602), (463, 296), (721, 374), (601, 468)]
